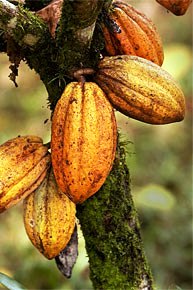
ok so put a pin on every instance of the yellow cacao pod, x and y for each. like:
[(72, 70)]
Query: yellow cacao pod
[(83, 141), (177, 7), (49, 217), (128, 31), (24, 163), (141, 89)]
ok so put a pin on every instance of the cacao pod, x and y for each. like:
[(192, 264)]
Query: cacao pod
[(66, 259), (177, 7), (24, 163), (49, 217), (83, 141), (128, 31), (141, 89)]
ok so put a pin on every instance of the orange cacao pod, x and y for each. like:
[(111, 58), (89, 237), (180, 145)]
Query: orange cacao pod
[(83, 141), (141, 89), (49, 217), (128, 31), (177, 7), (24, 163)]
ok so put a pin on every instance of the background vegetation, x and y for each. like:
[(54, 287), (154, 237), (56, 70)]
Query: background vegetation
[(159, 158)]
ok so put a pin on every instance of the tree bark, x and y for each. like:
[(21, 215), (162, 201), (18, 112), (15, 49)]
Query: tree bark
[(111, 228), (109, 219)]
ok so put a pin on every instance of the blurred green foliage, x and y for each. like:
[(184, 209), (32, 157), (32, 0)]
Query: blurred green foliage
[(159, 158)]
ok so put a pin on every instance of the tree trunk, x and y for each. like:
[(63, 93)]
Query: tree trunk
[(110, 225), (109, 219)]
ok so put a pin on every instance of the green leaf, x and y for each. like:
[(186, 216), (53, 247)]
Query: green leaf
[(9, 283)]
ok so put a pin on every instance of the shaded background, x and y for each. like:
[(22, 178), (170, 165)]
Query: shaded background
[(159, 159)]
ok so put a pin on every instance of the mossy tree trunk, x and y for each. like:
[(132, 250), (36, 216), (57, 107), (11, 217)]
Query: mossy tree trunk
[(111, 226), (109, 219)]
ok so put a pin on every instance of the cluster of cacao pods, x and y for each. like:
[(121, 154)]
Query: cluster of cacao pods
[(26, 174), (130, 74), (129, 79), (83, 139)]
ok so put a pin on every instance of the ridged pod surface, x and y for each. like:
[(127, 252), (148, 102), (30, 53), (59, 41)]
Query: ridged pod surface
[(83, 142), (141, 89), (128, 31), (24, 163), (49, 217), (177, 7)]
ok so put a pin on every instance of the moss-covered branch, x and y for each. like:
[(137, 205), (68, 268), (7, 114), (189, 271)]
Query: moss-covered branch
[(35, 44), (53, 59), (76, 30), (26, 29), (110, 224)]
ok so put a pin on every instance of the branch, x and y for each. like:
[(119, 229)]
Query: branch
[(75, 32), (111, 228), (53, 59), (26, 29), (34, 43)]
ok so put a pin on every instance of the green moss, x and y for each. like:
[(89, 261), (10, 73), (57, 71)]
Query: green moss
[(73, 52), (5, 17), (54, 59), (110, 224), (42, 55), (29, 23)]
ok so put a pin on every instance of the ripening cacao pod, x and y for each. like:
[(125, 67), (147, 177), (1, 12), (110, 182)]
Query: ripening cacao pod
[(177, 7), (141, 89), (128, 31), (49, 217), (24, 163), (83, 141)]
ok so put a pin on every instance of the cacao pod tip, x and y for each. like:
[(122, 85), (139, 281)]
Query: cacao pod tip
[(67, 257)]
